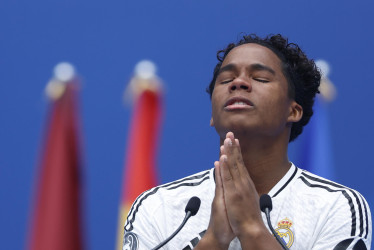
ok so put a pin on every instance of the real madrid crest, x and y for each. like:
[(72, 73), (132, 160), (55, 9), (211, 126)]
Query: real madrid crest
[(284, 231)]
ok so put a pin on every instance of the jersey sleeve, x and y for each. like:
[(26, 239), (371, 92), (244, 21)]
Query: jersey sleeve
[(349, 224), (140, 230)]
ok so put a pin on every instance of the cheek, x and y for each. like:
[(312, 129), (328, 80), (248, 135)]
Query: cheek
[(214, 109), (277, 107), (216, 101)]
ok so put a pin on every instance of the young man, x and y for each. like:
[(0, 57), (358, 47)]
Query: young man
[(262, 95)]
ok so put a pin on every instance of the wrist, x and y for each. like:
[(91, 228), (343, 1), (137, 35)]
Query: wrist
[(210, 241), (257, 237), (253, 232)]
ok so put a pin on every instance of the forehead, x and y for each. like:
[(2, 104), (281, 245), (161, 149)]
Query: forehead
[(252, 53)]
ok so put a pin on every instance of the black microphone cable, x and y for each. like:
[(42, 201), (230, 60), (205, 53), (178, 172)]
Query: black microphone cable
[(191, 209), (266, 206)]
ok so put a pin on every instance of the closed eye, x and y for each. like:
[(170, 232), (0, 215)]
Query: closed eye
[(261, 80), (227, 81)]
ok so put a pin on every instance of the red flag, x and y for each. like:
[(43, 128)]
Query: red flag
[(140, 165), (56, 223)]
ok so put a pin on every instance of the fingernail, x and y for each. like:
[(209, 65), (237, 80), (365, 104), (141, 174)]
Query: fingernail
[(228, 142)]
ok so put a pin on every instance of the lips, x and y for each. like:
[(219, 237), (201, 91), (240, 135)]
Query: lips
[(238, 103)]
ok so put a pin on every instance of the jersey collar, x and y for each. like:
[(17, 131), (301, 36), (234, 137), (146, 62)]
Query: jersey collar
[(287, 178)]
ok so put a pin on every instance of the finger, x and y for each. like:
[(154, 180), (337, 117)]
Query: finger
[(222, 149), (227, 146), (217, 178), (216, 164), (218, 201), (226, 177), (230, 135), (232, 156), (237, 153)]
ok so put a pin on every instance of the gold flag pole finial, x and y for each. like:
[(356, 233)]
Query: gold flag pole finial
[(144, 78), (64, 73)]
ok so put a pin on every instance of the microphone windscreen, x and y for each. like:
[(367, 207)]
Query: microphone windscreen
[(265, 202), (193, 205)]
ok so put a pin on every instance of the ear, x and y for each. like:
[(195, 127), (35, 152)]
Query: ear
[(211, 122), (296, 112)]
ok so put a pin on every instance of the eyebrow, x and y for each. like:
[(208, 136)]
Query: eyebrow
[(228, 67), (255, 67), (261, 67)]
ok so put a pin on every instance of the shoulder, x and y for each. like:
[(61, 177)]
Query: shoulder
[(181, 186), (327, 188), (176, 193), (337, 194), (340, 204)]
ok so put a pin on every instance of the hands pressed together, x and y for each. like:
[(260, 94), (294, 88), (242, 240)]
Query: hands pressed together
[(235, 208)]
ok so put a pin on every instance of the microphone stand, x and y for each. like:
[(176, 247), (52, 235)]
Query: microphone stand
[(266, 206), (188, 215), (267, 213)]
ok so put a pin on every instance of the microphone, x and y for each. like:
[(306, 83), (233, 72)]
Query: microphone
[(266, 206), (191, 209)]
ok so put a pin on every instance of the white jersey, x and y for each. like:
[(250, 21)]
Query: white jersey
[(309, 212)]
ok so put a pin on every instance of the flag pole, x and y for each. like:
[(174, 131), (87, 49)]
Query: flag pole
[(140, 168), (56, 219)]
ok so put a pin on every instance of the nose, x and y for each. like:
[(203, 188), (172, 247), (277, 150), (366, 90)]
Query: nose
[(240, 84)]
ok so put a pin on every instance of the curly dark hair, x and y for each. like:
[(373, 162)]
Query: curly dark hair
[(302, 75)]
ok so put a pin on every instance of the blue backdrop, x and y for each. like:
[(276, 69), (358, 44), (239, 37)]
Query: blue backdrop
[(105, 39)]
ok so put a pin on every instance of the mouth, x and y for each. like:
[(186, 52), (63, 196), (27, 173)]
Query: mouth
[(237, 103)]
